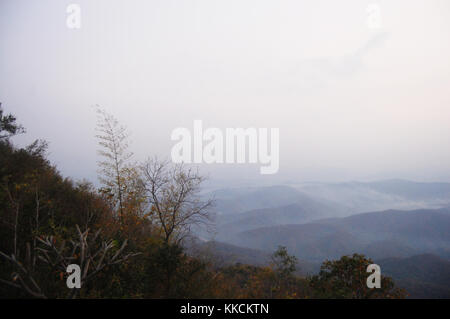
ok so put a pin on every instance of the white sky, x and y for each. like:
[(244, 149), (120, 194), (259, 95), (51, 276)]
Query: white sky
[(350, 102)]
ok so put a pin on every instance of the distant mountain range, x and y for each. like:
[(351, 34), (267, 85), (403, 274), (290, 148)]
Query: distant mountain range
[(300, 212), (358, 197), (243, 209), (407, 232), (233, 201), (385, 234)]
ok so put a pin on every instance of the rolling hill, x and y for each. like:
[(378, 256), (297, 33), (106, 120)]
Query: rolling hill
[(239, 200), (297, 213), (380, 234), (423, 276)]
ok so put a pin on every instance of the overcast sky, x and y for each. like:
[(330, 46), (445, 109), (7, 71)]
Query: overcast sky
[(351, 102)]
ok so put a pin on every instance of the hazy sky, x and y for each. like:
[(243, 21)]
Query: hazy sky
[(351, 102)]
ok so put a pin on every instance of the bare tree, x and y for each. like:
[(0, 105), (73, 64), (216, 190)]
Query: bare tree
[(113, 139), (85, 251), (172, 192)]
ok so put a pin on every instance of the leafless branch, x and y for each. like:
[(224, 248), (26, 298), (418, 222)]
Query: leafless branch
[(172, 192)]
